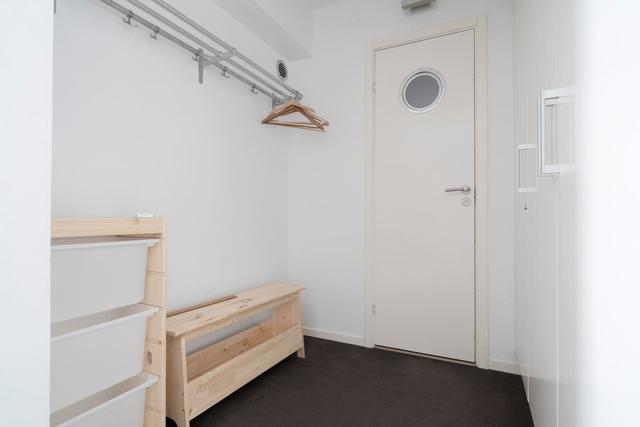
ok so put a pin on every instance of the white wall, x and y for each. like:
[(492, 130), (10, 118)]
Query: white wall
[(327, 170), (608, 348), (26, 31), (135, 132)]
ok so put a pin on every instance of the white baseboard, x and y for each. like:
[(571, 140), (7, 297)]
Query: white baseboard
[(504, 366), (334, 336), (494, 365)]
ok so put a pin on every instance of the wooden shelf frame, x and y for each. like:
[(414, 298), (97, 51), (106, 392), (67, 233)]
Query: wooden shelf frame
[(154, 293), (203, 378)]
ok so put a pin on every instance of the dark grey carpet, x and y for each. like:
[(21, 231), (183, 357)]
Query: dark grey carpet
[(343, 385)]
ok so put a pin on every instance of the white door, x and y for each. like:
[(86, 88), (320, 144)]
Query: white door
[(423, 236)]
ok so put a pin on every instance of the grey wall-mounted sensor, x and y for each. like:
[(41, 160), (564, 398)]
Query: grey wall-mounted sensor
[(414, 4)]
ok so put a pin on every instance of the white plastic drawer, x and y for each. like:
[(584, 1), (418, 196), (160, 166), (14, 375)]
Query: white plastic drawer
[(94, 275), (127, 412), (85, 362), (121, 405)]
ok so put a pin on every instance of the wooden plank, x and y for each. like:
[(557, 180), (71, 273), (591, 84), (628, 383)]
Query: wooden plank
[(216, 384), (155, 362), (155, 415), (297, 318), (177, 381), (87, 227), (156, 331), (287, 315), (154, 357), (209, 318), (204, 304), (203, 360), (154, 288), (156, 327), (283, 317), (237, 317), (156, 257)]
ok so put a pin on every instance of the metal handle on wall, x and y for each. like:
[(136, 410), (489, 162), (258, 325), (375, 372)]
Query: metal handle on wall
[(551, 97), (519, 149)]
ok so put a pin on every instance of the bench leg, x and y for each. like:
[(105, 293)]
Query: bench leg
[(298, 320), (181, 422), (177, 380), (289, 315)]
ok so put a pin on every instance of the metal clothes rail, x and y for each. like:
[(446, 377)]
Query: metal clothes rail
[(228, 59)]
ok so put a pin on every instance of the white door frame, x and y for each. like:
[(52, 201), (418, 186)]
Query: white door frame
[(479, 25)]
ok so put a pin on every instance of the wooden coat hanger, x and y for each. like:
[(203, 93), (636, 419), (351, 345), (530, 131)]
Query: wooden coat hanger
[(315, 122)]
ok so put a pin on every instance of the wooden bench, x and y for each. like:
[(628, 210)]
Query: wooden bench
[(199, 380)]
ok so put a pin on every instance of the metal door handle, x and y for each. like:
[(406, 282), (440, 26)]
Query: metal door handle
[(464, 189)]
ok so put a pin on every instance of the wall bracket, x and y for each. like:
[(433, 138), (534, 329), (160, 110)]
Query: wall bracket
[(204, 61)]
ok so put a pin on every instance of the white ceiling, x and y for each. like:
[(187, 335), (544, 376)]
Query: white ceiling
[(316, 4), (285, 25)]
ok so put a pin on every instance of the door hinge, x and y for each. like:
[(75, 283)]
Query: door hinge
[(373, 87), (373, 309)]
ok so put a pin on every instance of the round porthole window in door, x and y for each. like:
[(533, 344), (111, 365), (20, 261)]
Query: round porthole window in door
[(422, 90)]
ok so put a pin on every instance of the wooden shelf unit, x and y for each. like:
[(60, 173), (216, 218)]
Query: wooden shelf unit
[(118, 230), (197, 381)]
